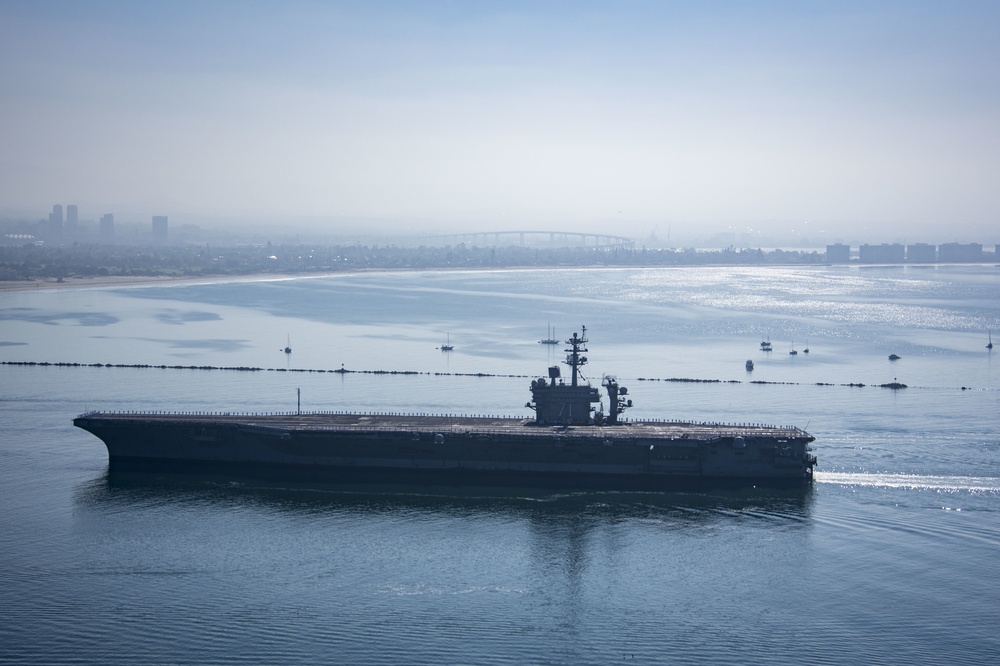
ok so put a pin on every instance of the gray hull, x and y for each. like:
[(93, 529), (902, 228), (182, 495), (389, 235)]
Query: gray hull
[(460, 450)]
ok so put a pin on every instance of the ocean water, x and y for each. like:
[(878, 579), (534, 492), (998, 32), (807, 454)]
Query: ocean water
[(889, 557)]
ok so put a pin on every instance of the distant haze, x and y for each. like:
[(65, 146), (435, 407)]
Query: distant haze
[(833, 121)]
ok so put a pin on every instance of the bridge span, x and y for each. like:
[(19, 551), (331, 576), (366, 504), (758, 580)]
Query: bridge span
[(537, 238)]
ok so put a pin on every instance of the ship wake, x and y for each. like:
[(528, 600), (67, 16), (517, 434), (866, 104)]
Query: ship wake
[(973, 484)]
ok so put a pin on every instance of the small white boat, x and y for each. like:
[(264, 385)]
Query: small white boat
[(447, 346)]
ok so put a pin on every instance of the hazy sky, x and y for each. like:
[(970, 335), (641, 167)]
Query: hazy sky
[(830, 116)]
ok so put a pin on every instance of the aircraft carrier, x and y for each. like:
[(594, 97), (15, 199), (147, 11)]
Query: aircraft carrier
[(568, 443)]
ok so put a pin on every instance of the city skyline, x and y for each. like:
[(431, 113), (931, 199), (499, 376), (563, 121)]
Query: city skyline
[(155, 231), (836, 121)]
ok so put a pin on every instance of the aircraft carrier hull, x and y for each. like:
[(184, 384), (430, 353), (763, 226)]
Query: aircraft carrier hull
[(458, 450)]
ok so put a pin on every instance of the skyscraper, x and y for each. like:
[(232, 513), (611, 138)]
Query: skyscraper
[(56, 221), (71, 218)]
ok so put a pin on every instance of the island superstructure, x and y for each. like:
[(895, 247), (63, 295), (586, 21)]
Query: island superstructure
[(569, 442)]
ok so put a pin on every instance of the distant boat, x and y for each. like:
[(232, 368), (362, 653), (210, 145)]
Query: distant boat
[(894, 357), (749, 365), (990, 344), (551, 339), (288, 345), (765, 345), (806, 350), (447, 346), (792, 352)]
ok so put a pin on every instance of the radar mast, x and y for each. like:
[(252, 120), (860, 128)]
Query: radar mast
[(574, 359)]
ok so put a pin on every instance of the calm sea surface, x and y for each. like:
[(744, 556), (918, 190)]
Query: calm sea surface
[(892, 556)]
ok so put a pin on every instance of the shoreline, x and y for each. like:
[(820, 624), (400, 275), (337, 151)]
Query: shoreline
[(97, 282), (48, 284)]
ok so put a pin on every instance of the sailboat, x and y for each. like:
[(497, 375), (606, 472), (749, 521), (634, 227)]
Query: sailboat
[(288, 345), (551, 339), (806, 350), (989, 345), (447, 346), (792, 351)]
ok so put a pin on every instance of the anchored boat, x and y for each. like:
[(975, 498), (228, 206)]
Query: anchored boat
[(550, 338), (569, 442)]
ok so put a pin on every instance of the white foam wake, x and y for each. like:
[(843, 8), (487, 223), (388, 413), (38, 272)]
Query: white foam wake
[(913, 481)]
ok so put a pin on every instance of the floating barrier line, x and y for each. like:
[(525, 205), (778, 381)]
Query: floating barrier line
[(342, 371)]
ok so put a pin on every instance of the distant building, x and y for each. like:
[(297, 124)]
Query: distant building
[(886, 253), (921, 253), (159, 228), (72, 218), (960, 252), (107, 228), (838, 253), (56, 222)]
